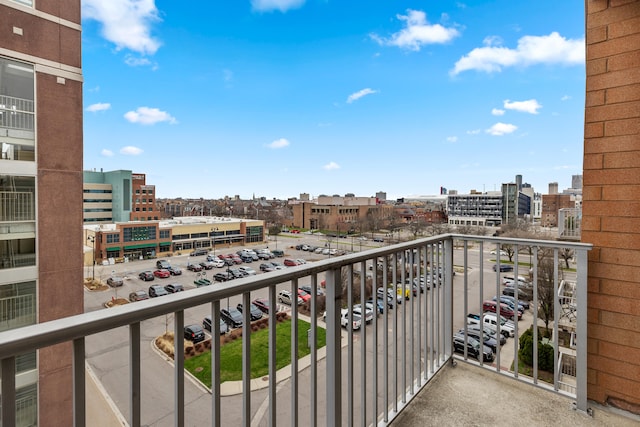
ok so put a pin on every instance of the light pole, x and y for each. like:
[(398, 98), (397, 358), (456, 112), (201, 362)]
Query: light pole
[(92, 239), (214, 230)]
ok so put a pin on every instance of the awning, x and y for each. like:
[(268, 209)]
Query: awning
[(114, 248), (143, 245)]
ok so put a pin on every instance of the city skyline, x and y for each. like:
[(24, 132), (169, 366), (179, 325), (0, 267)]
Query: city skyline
[(278, 98)]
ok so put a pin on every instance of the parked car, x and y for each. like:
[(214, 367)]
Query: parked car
[(207, 265), (246, 258), (147, 276), (490, 322), (266, 267), (379, 305), (525, 304), (194, 267), (505, 310), (513, 305), (256, 313), (194, 333), (157, 291), (378, 239), (199, 252), (523, 293), (237, 273), (247, 270), (174, 287), (284, 297), (278, 252), (262, 304), (290, 262), (347, 320), (303, 295), (301, 261), (163, 264), (236, 260), (217, 262), (163, 274), (502, 253), (474, 347), (115, 281), (307, 290), (138, 296), (483, 337), (206, 323), (368, 312), (503, 267), (232, 317), (175, 271), (223, 276)]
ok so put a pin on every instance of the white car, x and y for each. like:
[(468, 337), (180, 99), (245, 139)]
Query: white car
[(284, 297), (301, 261), (356, 321), (217, 262), (248, 270), (502, 253), (368, 313)]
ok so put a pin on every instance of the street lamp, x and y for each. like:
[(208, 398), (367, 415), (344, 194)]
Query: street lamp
[(92, 239), (214, 230)]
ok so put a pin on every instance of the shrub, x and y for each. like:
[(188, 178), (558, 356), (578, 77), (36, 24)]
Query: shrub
[(207, 344), (199, 347), (545, 352)]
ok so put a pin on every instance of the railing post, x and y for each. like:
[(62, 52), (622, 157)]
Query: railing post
[(8, 391), (79, 385), (581, 330), (334, 348), (448, 297)]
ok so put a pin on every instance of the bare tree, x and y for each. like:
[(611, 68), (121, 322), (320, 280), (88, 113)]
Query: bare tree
[(417, 227), (566, 254)]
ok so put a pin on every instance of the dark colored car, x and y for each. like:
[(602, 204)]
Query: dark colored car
[(194, 267), (138, 296), (277, 252), (157, 291), (474, 347), (307, 289), (232, 317), (115, 282), (266, 267), (194, 333), (175, 271), (262, 304), (207, 265), (199, 252), (511, 303), (378, 239), (147, 276), (206, 323), (503, 267), (223, 276), (237, 273), (487, 339), (505, 310), (256, 313), (246, 258), (174, 287), (163, 264), (523, 293), (525, 304)]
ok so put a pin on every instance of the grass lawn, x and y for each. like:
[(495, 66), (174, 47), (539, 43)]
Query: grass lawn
[(231, 353), (527, 370)]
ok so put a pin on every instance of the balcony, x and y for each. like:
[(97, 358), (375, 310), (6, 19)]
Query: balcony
[(569, 223), (388, 370)]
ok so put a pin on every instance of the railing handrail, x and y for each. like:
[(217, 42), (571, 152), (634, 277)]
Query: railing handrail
[(21, 340)]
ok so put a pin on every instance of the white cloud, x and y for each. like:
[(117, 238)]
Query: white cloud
[(452, 139), (133, 61), (126, 23), (130, 150), (500, 129), (331, 166), (497, 112), (530, 106), (531, 50), (100, 106), (279, 143), (281, 5), (106, 153), (149, 116), (360, 94), (565, 98), (417, 33), (474, 132)]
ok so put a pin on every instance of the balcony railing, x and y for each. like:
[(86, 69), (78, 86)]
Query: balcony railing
[(17, 206), (16, 113), (569, 223), (384, 364)]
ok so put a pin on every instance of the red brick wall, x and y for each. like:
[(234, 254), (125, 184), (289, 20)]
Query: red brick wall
[(611, 201)]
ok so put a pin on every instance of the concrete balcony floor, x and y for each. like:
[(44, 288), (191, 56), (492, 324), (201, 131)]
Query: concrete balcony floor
[(466, 395)]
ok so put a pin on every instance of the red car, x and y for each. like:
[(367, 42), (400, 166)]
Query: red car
[(290, 262), (302, 294), (505, 310), (162, 273)]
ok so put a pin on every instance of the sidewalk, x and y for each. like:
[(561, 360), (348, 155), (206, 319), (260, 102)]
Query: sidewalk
[(101, 411)]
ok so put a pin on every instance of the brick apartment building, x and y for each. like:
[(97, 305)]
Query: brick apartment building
[(611, 206), (551, 204), (41, 177)]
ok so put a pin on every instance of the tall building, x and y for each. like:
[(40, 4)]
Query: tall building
[(106, 196), (41, 192), (475, 208), (143, 207)]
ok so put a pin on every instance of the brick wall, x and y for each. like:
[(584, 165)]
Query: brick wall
[(611, 200)]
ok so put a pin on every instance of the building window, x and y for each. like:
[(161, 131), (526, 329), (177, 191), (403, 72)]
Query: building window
[(25, 2), (165, 234), (113, 238), (135, 234)]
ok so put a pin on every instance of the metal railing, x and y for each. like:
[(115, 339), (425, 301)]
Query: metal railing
[(383, 365), (569, 223), (16, 113), (17, 206)]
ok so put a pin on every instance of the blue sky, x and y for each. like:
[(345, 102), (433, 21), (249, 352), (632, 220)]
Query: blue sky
[(281, 97)]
